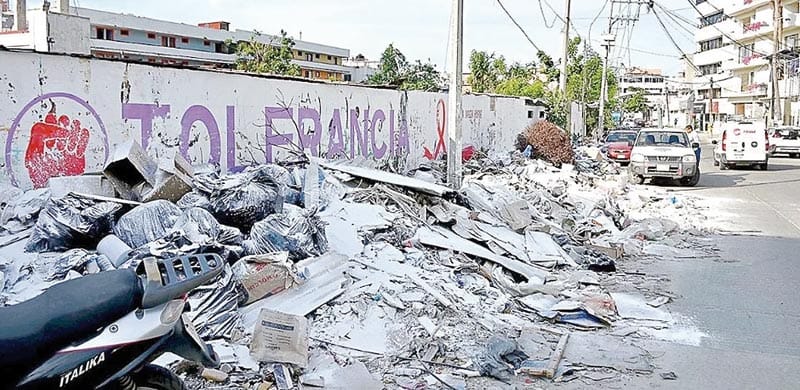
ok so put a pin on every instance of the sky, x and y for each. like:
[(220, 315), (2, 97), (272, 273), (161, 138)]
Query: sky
[(420, 28)]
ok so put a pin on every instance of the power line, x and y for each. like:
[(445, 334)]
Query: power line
[(660, 22), (518, 26), (544, 18)]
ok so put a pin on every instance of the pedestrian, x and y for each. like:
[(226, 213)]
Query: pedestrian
[(676, 122), (693, 139)]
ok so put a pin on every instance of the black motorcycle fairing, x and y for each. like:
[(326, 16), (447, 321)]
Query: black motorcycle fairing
[(91, 368), (35, 330)]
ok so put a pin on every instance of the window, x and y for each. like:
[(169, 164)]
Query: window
[(151, 36), (104, 33), (792, 41), (710, 68), (309, 57), (530, 114), (746, 53), (541, 114), (316, 74), (316, 56), (124, 33), (330, 58), (206, 43), (168, 41), (184, 40), (714, 18), (299, 53), (151, 60), (711, 44), (348, 77)]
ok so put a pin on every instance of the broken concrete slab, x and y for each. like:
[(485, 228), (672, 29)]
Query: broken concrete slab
[(130, 170), (596, 350), (443, 238), (634, 306), (389, 178), (173, 179), (93, 184)]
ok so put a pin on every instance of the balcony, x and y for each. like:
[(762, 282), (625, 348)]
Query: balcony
[(160, 51), (752, 30), (752, 90), (742, 6), (752, 61)]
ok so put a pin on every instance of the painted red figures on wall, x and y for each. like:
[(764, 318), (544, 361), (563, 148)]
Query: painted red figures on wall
[(57, 147)]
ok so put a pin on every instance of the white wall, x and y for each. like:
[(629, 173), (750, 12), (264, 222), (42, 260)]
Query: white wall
[(230, 119)]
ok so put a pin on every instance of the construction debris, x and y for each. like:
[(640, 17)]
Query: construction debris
[(343, 276)]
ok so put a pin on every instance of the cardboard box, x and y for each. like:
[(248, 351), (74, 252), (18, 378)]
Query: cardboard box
[(88, 183), (173, 179), (131, 171)]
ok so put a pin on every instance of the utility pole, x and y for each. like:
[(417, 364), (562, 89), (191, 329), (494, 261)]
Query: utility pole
[(454, 96), (777, 38), (563, 78), (666, 100), (710, 102), (608, 40)]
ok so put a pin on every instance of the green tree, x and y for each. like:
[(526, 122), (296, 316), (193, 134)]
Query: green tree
[(396, 71), (520, 86), (391, 68), (635, 102), (274, 57), (485, 71), (547, 66)]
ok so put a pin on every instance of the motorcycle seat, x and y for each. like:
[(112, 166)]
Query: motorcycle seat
[(33, 331)]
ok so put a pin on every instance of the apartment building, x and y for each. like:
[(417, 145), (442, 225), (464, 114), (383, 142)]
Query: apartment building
[(65, 29), (732, 60), (754, 34)]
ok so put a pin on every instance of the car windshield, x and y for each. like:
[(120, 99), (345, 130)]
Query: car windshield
[(672, 138), (621, 137)]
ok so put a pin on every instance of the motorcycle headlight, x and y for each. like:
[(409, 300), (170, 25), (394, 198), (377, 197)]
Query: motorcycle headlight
[(689, 158), (637, 157)]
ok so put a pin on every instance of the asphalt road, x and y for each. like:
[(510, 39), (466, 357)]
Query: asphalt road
[(746, 301)]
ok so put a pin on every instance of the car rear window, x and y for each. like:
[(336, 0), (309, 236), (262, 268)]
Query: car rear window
[(787, 133), (621, 137)]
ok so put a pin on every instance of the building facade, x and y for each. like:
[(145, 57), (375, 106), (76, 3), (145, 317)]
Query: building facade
[(733, 69), (651, 82), (65, 29)]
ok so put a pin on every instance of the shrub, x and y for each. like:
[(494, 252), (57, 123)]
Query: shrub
[(549, 142)]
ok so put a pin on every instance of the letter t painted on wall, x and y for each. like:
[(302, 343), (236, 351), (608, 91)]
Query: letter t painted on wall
[(144, 112)]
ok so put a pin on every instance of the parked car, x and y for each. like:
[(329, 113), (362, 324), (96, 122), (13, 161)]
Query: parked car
[(664, 154), (784, 140), (618, 144), (743, 143)]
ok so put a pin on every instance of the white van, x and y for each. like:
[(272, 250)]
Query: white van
[(742, 143)]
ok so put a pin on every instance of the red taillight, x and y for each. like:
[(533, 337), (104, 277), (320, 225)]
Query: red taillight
[(724, 138), (766, 141)]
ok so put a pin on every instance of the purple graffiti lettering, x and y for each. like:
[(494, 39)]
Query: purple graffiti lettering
[(377, 122), (194, 114), (355, 133), (145, 112), (310, 140), (336, 140), (403, 144), (231, 140), (276, 139)]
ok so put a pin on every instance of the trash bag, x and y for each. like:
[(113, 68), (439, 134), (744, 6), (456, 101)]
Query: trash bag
[(198, 224), (147, 222), (500, 356), (193, 199), (300, 233), (70, 222), (22, 210), (229, 235), (215, 307), (74, 259), (242, 199)]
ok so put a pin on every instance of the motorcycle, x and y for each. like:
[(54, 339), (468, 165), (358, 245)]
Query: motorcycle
[(102, 331)]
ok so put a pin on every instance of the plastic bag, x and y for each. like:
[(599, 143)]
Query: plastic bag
[(198, 224), (75, 259), (300, 233), (147, 222), (500, 356), (215, 307), (193, 199), (22, 210), (242, 199), (72, 221)]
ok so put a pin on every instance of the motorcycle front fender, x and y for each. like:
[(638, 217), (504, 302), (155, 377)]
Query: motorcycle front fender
[(186, 343)]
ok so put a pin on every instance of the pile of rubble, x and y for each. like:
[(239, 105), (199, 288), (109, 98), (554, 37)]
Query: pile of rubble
[(373, 279)]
